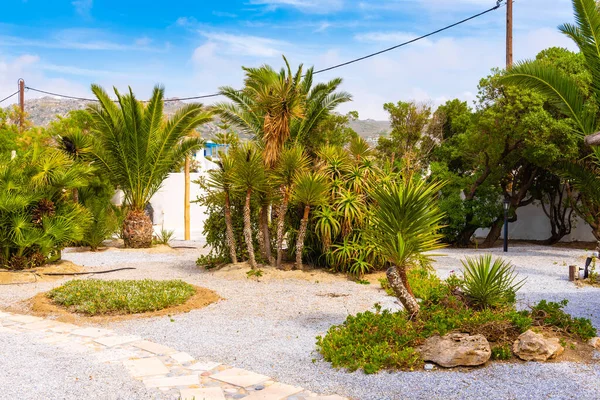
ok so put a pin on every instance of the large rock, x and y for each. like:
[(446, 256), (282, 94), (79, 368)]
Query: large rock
[(595, 342), (531, 346), (456, 349)]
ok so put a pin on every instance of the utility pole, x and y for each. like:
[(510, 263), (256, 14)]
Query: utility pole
[(186, 202), (21, 104), (509, 33)]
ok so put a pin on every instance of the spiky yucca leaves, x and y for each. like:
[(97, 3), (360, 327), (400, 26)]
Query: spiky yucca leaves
[(249, 178), (137, 148), (405, 225), (490, 284), (293, 161), (37, 217), (221, 180), (311, 189)]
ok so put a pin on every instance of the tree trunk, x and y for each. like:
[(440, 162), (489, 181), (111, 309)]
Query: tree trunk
[(229, 225), (402, 291), (494, 233), (264, 232), (301, 237), (281, 226), (248, 230), (464, 239), (137, 230)]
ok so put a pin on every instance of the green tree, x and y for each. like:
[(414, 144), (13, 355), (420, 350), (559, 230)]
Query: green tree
[(136, 148)]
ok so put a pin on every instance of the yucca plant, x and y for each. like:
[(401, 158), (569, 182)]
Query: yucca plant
[(311, 190), (490, 283), (136, 148), (405, 224), (38, 216)]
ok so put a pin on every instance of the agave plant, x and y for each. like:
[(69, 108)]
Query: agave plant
[(405, 224), (38, 216), (490, 284), (136, 148)]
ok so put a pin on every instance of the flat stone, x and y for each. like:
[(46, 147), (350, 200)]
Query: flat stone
[(111, 341), (113, 355), (39, 325), (172, 381), (153, 348), (213, 393), (24, 319), (146, 367), (182, 357), (61, 327), (240, 377), (204, 366), (276, 391), (55, 338), (5, 315), (91, 332)]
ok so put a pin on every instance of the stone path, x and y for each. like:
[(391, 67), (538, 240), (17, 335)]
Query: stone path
[(173, 372)]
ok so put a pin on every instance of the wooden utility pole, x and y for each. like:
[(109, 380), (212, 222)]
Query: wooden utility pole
[(186, 202), (509, 33), (21, 104)]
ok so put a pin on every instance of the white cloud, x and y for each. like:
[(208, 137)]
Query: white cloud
[(307, 6), (245, 45)]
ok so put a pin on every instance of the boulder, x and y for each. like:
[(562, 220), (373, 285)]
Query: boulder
[(595, 342), (531, 346), (456, 349)]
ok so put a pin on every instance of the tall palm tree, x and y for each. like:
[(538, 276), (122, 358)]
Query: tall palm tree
[(221, 179), (249, 178), (572, 101), (404, 225), (312, 189), (137, 148), (293, 161)]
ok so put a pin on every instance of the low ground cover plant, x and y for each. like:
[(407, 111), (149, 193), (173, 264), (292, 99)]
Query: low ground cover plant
[(382, 339), (99, 297)]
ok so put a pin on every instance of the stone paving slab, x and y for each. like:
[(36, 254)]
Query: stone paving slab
[(146, 367), (160, 367), (202, 394)]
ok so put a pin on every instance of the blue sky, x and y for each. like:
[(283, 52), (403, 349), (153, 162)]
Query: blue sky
[(193, 47)]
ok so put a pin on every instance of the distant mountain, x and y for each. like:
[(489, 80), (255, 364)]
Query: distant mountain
[(46, 109)]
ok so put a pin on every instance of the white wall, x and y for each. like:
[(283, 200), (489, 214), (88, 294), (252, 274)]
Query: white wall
[(533, 224)]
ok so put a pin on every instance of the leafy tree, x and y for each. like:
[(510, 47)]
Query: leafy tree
[(136, 149)]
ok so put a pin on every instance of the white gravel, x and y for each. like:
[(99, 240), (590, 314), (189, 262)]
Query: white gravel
[(270, 327)]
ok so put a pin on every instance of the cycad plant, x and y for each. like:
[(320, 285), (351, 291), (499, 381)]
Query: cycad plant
[(311, 190), (136, 148), (405, 224), (293, 161), (490, 284), (248, 179), (38, 216)]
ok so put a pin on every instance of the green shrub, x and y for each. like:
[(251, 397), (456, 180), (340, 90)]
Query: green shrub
[(488, 284), (502, 352), (210, 261), (423, 282), (164, 237), (94, 297), (548, 313)]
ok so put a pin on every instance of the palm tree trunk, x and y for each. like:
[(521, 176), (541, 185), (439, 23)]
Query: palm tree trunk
[(248, 230), (402, 292), (266, 235), (137, 230), (281, 225), (229, 230), (301, 237)]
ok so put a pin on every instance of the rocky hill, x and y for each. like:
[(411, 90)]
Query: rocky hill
[(43, 110)]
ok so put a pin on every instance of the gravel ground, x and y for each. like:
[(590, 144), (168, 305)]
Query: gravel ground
[(270, 326), (30, 370)]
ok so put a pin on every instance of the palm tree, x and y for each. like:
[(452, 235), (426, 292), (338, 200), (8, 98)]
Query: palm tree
[(293, 161), (572, 100), (137, 148), (221, 179), (404, 225), (312, 189), (249, 177)]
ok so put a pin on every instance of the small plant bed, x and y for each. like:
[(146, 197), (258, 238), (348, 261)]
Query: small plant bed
[(386, 340), (99, 297)]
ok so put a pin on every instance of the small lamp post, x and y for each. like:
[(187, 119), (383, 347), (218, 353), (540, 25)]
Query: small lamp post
[(506, 207)]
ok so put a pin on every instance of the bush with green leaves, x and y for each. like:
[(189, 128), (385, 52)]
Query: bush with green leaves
[(423, 282), (100, 297), (164, 237), (552, 314), (488, 283), (38, 216), (502, 352)]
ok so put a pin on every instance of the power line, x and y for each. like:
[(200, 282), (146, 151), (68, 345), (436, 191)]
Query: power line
[(8, 97), (497, 6)]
